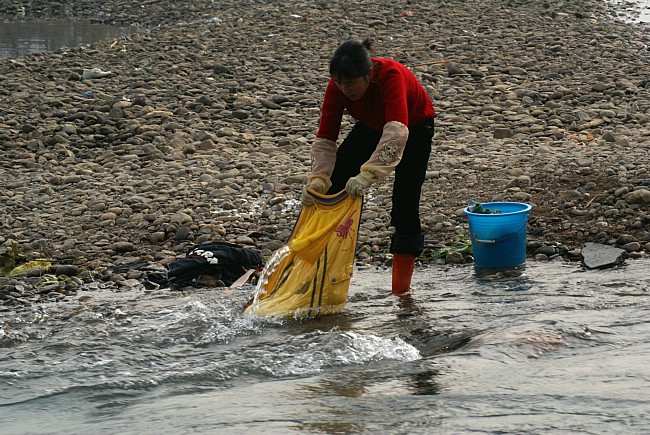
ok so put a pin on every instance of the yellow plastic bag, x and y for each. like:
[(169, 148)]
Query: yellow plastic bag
[(311, 274)]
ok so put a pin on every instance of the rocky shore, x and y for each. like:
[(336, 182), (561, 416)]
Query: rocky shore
[(202, 129)]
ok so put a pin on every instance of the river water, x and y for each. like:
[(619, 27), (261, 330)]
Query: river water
[(556, 349), (632, 11), (18, 39)]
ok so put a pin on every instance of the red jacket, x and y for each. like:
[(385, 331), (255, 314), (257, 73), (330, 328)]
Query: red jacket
[(394, 94)]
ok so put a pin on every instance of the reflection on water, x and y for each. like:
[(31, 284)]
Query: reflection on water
[(20, 39)]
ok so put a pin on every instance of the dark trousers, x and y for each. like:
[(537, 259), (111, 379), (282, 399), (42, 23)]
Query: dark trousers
[(357, 148)]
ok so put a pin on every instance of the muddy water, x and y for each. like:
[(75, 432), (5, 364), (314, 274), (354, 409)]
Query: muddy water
[(20, 39), (554, 350)]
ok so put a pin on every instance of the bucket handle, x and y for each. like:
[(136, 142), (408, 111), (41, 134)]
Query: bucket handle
[(487, 242), (495, 241)]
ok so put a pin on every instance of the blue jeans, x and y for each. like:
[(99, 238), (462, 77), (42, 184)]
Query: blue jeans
[(357, 148)]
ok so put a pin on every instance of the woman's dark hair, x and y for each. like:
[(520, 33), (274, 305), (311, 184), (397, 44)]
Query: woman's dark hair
[(351, 59)]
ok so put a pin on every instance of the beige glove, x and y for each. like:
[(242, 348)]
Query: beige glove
[(356, 185), (388, 153), (323, 155), (317, 184)]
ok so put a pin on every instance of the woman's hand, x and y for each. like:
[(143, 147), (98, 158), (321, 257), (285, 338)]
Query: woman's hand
[(356, 185), (316, 184)]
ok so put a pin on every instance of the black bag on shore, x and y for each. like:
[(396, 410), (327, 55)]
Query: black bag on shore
[(223, 261)]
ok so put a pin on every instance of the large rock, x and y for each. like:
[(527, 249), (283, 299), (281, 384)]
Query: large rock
[(597, 256)]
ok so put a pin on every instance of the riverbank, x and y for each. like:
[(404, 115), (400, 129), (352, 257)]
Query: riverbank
[(201, 131)]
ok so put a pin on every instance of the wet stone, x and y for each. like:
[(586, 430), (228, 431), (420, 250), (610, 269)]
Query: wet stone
[(67, 270), (631, 247)]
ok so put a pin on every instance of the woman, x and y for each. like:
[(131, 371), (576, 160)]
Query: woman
[(394, 130)]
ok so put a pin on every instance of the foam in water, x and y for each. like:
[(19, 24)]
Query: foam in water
[(359, 348), (313, 353)]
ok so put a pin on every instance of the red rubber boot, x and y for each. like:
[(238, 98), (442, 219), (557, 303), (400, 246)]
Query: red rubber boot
[(403, 265)]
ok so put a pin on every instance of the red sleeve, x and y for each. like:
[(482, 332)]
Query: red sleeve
[(331, 113)]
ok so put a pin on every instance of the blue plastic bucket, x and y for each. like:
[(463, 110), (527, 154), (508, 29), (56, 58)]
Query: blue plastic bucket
[(499, 240)]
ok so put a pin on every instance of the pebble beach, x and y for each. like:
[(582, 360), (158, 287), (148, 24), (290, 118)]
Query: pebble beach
[(199, 127)]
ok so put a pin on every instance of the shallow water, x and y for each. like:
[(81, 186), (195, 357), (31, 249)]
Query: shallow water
[(554, 350), (18, 39), (633, 11)]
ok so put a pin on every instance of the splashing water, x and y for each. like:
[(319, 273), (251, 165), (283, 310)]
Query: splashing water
[(270, 267)]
